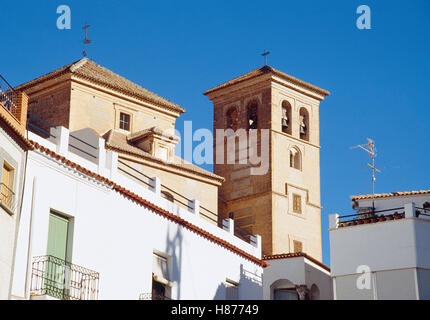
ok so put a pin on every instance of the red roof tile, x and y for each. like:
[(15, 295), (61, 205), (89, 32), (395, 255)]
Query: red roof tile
[(295, 255)]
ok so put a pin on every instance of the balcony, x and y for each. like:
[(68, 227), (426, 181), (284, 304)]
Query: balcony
[(370, 216), (151, 296), (8, 97), (7, 197), (62, 280)]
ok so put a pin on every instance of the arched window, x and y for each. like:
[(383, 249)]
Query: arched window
[(253, 115), (295, 158), (232, 118), (315, 292), (283, 289), (304, 124), (286, 117)]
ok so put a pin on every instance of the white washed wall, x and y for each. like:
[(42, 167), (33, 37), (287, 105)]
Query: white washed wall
[(299, 271), (116, 237), (7, 221)]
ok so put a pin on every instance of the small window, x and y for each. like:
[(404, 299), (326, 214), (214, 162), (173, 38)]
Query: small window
[(286, 117), (253, 116), (124, 121), (160, 277), (6, 190), (231, 290), (285, 294), (304, 124), (295, 159), (232, 119), (297, 203), (298, 246)]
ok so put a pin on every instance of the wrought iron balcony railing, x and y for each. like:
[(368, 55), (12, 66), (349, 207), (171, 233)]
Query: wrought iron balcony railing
[(8, 96), (63, 280), (150, 296), (7, 196)]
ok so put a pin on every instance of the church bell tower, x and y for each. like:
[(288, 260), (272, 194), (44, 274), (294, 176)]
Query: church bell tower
[(283, 204)]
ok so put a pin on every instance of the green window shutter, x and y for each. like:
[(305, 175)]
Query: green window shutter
[(57, 236)]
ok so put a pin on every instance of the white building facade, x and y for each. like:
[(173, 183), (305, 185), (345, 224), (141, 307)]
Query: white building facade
[(88, 232), (383, 252), (296, 276), (13, 149)]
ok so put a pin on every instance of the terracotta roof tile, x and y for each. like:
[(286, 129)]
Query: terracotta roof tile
[(295, 255), (153, 130), (265, 70), (390, 194), (93, 72), (375, 219), (117, 141), (14, 132)]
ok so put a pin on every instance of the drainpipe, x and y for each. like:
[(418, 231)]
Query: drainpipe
[(28, 271)]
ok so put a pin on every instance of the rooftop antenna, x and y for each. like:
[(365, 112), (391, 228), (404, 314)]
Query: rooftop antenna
[(370, 148), (86, 41), (265, 54)]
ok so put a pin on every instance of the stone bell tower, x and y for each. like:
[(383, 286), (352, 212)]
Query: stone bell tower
[(283, 204)]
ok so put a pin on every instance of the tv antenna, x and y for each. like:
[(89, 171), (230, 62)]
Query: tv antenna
[(370, 148), (86, 40)]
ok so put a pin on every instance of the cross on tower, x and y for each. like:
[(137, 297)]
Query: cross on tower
[(86, 41), (265, 56)]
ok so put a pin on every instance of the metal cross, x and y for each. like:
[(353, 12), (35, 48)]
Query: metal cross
[(86, 41), (265, 56)]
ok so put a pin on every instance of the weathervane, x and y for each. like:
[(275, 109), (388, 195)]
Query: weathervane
[(86, 41), (265, 56), (370, 148)]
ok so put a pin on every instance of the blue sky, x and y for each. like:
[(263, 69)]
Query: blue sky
[(379, 79)]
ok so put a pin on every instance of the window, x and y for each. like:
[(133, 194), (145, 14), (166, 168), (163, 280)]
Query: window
[(315, 292), (304, 124), (124, 121), (297, 203), (6, 190), (57, 274), (160, 277), (231, 290), (285, 294), (298, 246), (295, 159), (232, 119), (253, 115), (286, 117)]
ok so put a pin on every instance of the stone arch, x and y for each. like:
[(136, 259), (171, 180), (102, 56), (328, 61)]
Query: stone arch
[(232, 118), (252, 113), (295, 158), (315, 292), (304, 128), (286, 123), (283, 289)]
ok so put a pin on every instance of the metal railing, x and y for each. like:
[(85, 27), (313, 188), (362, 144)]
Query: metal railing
[(63, 280), (150, 296), (173, 195), (358, 218), (42, 128), (8, 96), (39, 126), (7, 196), (422, 212), (183, 201)]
